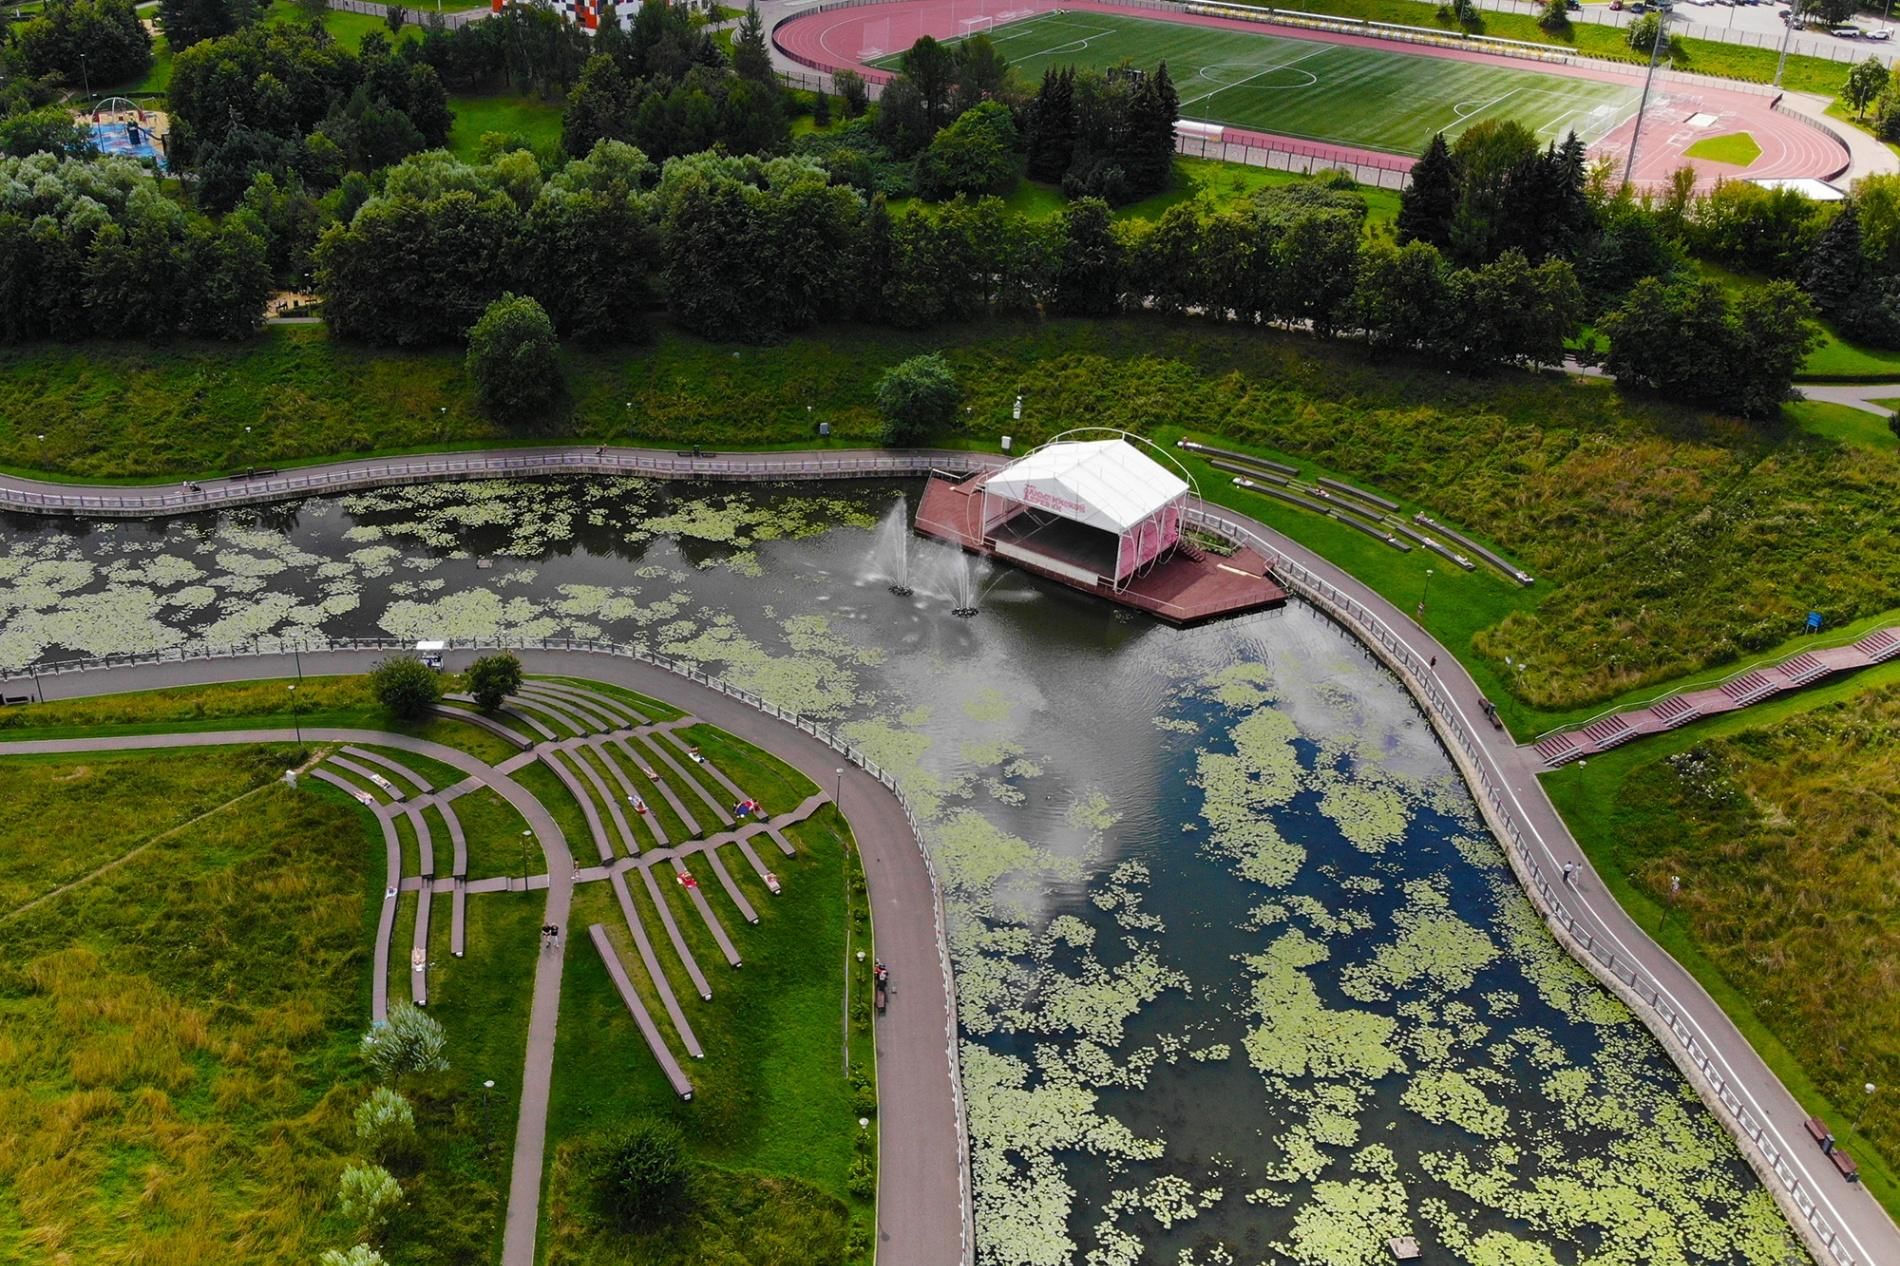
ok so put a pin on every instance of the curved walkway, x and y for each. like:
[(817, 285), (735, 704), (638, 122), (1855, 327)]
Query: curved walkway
[(1844, 1224), (1855, 395), (923, 1192)]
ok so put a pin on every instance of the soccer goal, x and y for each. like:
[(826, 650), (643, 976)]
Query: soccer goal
[(877, 38), (972, 26)]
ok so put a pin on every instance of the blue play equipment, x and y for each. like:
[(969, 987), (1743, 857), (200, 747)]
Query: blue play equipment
[(121, 128)]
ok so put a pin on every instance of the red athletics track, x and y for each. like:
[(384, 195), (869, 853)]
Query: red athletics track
[(842, 39)]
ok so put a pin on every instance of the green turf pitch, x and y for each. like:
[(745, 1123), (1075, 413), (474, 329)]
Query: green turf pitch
[(1344, 94)]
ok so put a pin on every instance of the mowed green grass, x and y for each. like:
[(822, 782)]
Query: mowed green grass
[(1342, 94)]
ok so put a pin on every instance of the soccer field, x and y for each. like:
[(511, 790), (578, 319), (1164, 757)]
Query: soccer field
[(1338, 93)]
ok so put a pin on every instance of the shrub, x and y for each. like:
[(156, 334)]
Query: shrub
[(492, 678), (861, 1182), (514, 357), (975, 155), (850, 86), (408, 1042), (356, 1255), (916, 396), (407, 687), (642, 1175), (864, 1101), (367, 1194), (386, 1124)]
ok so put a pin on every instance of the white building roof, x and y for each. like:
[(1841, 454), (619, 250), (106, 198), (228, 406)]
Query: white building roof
[(1108, 484), (1818, 190)]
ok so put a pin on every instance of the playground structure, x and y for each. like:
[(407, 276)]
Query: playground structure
[(121, 127)]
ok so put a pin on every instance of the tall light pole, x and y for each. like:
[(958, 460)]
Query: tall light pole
[(85, 74), (1787, 36), (524, 858), (837, 797), (296, 720), (1424, 594), (1649, 77)]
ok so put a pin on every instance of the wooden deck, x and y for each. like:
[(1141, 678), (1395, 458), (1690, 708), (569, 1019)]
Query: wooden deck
[(1190, 588)]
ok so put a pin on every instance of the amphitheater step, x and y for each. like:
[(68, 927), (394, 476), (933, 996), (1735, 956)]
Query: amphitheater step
[(1609, 731), (1803, 668), (1749, 687), (1674, 711), (1879, 645), (1557, 749)]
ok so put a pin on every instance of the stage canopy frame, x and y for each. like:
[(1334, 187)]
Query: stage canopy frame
[(1109, 484)]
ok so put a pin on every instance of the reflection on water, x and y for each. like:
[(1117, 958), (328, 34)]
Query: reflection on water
[(1239, 975)]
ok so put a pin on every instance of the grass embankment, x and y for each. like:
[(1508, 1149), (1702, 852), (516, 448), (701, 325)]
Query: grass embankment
[(532, 119), (1665, 541), (1783, 825), (180, 1029), (772, 1120), (1708, 57)]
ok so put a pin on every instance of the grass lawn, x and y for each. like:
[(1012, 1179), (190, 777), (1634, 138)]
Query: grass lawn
[(1842, 361), (534, 120), (180, 1030), (1782, 823), (1738, 149), (1375, 98), (772, 1122), (1846, 423)]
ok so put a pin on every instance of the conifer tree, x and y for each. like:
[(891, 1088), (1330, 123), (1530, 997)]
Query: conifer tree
[(1836, 269), (1427, 206), (1052, 126)]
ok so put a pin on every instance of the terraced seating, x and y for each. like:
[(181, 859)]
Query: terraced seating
[(648, 1029), (374, 777), (651, 962), (1609, 731), (420, 783), (690, 882), (607, 798), (504, 710), (680, 948), (625, 713), (1675, 710), (392, 882), (1803, 668), (1879, 645), (539, 711), (483, 722), (1749, 687), (1557, 749), (577, 714)]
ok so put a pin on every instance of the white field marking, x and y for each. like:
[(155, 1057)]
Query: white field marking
[(1465, 115), (1264, 70), (1205, 73)]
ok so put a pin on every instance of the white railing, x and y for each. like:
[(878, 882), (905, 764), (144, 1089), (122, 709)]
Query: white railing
[(383, 472)]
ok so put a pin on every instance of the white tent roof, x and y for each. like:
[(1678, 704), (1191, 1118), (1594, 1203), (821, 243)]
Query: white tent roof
[(1108, 484)]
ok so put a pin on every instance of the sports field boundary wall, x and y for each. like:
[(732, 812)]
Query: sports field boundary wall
[(1488, 782), (416, 13)]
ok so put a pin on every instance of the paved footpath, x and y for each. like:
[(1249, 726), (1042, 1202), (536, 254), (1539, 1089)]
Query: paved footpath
[(923, 1192), (1868, 1235)]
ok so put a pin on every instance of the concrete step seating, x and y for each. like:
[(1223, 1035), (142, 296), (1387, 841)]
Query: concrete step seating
[(1803, 668), (1675, 710), (1607, 732), (1880, 645), (1750, 687), (1557, 749)]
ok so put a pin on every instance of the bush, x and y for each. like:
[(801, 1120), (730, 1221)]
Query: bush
[(975, 155), (514, 357), (408, 687), (386, 1124), (642, 1175), (850, 86), (367, 1195), (356, 1255), (861, 1182), (864, 1101), (492, 678), (408, 1042), (915, 397)]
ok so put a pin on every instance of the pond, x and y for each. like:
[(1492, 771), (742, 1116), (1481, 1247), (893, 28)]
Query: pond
[(1240, 975)]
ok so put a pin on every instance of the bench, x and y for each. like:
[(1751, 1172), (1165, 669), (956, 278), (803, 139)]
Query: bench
[(1845, 1163), (1817, 1130), (14, 701)]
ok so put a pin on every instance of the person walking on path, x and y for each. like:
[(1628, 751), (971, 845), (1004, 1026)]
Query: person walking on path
[(1570, 873)]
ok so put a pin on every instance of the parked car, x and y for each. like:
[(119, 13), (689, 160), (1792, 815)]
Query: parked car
[(1882, 34), (1616, 4), (1573, 5), (1846, 32)]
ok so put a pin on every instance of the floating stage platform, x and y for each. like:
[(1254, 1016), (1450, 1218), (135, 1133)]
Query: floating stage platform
[(1184, 586)]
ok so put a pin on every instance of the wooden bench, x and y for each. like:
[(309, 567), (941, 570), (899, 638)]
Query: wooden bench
[(1845, 1163), (1817, 1130)]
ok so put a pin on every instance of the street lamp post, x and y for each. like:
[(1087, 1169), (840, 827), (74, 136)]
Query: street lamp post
[(837, 797), (85, 73), (488, 1134), (1425, 593), (1655, 50), (1787, 37), (296, 720), (1867, 1097), (524, 858)]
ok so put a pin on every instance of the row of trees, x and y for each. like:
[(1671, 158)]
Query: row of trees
[(81, 42), (289, 100), (744, 247), (94, 249), (1103, 134)]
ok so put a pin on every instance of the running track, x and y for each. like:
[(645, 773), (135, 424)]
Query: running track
[(831, 40)]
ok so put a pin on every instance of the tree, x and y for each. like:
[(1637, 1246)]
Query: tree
[(1052, 125), (48, 130), (851, 89), (1645, 31), (1145, 152), (1427, 205), (600, 107), (932, 70), (386, 1124), (1865, 82), (408, 1041), (903, 119), (1836, 269), (750, 57), (1402, 294), (1690, 341), (641, 1174), (367, 1195), (100, 42), (915, 397), (394, 17), (187, 22), (1088, 279), (1555, 18), (493, 678), (821, 109), (982, 73), (976, 154), (407, 687), (514, 357)]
